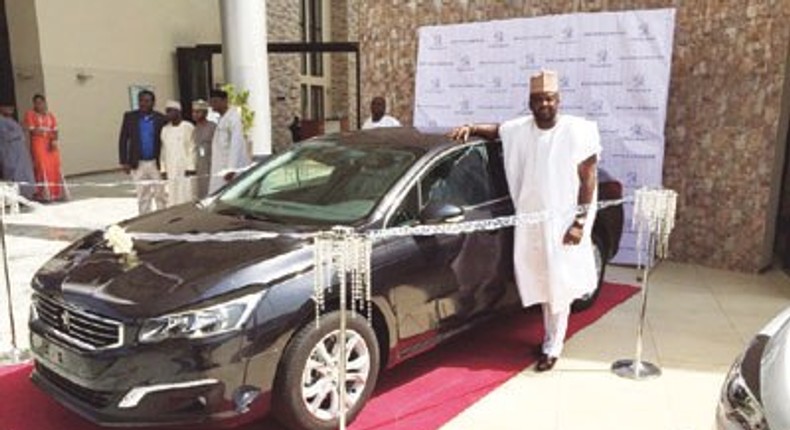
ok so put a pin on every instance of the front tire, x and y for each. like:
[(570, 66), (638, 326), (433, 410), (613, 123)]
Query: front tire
[(306, 395), (586, 301)]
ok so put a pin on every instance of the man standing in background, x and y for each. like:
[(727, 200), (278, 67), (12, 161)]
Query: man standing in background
[(15, 163), (378, 115), (204, 134), (139, 145), (229, 153), (177, 159)]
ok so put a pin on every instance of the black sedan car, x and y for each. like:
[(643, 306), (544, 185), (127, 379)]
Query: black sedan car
[(191, 332)]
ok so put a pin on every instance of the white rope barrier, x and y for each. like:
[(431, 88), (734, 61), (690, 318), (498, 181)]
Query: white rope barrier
[(342, 255)]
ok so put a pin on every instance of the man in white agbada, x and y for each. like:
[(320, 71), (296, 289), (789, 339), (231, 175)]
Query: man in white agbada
[(378, 115), (551, 167), (177, 159), (229, 152)]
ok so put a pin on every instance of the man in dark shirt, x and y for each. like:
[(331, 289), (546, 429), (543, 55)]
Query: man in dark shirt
[(138, 151)]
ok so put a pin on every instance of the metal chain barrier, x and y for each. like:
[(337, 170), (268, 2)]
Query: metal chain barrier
[(342, 255)]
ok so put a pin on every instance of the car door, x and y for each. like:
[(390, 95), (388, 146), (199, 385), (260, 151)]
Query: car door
[(437, 283)]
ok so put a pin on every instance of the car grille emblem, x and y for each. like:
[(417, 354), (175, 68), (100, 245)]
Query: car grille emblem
[(65, 319)]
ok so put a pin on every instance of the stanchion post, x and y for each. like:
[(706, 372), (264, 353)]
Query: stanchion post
[(341, 374), (638, 368), (654, 215), (15, 352)]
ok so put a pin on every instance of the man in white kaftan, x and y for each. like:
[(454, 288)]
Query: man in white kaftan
[(378, 115), (177, 159), (229, 151), (550, 164)]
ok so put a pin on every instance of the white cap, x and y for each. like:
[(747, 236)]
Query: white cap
[(172, 104)]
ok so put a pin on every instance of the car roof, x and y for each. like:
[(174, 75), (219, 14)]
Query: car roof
[(410, 138)]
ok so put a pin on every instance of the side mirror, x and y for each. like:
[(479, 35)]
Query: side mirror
[(441, 212)]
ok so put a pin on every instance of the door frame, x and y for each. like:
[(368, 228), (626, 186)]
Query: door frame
[(7, 86), (186, 54)]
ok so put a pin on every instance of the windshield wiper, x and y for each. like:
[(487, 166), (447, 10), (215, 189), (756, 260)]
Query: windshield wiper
[(256, 217), (245, 215)]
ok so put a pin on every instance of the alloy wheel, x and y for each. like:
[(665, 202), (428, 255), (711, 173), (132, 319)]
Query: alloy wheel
[(320, 378)]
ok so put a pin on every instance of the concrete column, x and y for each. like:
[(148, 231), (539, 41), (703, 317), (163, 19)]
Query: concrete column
[(245, 52)]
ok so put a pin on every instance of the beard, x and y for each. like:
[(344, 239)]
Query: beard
[(545, 114)]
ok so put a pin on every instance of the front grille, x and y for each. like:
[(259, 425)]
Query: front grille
[(82, 329), (99, 399)]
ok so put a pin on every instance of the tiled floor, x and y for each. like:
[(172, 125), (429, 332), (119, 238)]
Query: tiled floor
[(698, 321)]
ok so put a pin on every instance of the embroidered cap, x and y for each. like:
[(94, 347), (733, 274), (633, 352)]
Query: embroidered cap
[(545, 81)]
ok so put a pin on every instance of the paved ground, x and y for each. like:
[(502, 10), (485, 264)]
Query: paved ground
[(34, 236), (698, 322)]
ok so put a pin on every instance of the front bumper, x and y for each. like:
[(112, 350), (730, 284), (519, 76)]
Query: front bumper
[(178, 382)]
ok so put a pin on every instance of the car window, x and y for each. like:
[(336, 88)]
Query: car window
[(301, 173), (461, 178), (496, 170), (323, 181)]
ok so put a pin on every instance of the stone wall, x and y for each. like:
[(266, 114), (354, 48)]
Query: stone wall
[(343, 88), (724, 114), (338, 89), (284, 70)]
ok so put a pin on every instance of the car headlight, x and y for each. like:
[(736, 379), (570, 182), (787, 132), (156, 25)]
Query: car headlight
[(739, 404), (201, 323)]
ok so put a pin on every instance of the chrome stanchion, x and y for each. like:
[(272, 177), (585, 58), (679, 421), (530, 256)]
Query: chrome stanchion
[(15, 353), (654, 216), (637, 368), (341, 374)]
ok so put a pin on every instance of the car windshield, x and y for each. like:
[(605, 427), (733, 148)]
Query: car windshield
[(318, 182)]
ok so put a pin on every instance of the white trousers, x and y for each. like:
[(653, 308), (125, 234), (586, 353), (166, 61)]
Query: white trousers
[(147, 194), (555, 324)]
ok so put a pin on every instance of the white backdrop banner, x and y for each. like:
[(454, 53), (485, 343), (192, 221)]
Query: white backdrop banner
[(614, 68)]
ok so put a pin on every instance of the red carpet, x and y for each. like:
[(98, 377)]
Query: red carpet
[(423, 393)]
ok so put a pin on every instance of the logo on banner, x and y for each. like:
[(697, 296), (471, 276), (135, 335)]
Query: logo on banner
[(464, 64), (496, 85), (435, 86), (638, 132), (498, 40), (602, 55), (595, 109), (529, 62), (464, 108), (637, 83), (643, 33), (632, 179), (567, 35), (436, 42), (565, 84), (601, 59), (644, 29)]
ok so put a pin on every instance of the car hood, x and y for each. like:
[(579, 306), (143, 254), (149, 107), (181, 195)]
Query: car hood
[(168, 275), (775, 372)]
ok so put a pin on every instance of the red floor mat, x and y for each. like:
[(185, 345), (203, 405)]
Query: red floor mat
[(423, 393)]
